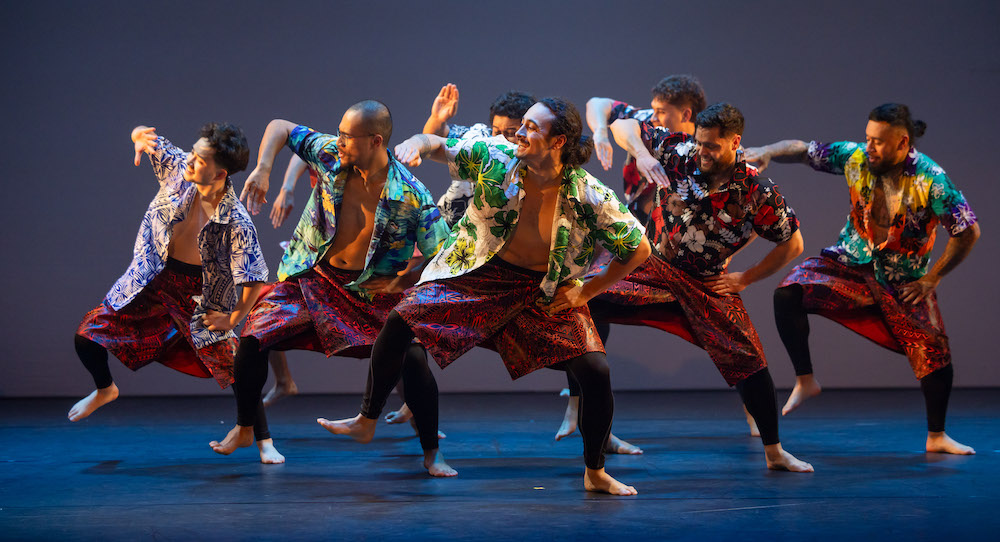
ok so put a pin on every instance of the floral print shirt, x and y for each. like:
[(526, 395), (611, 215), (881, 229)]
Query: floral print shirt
[(406, 215), (455, 200), (230, 253), (699, 231), (927, 198), (588, 220)]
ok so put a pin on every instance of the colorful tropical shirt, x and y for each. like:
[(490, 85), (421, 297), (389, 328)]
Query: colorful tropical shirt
[(589, 219), (699, 231), (635, 185), (406, 215), (230, 253), (926, 199), (455, 200)]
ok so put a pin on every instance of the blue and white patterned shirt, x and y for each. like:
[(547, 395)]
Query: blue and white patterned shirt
[(230, 253)]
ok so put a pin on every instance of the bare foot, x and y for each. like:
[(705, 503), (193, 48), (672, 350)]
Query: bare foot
[(238, 437), (598, 480), (778, 459), (806, 387), (98, 398), (616, 445), (280, 391), (358, 428), (435, 465), (399, 416), (569, 420), (754, 432), (942, 443), (268, 454)]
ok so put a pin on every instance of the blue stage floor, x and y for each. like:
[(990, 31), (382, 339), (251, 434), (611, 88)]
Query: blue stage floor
[(141, 469)]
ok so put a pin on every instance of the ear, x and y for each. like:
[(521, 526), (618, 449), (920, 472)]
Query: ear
[(377, 140), (220, 175), (736, 141), (904, 142), (559, 141), (686, 114)]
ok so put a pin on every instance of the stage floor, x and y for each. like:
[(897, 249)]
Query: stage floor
[(141, 468)]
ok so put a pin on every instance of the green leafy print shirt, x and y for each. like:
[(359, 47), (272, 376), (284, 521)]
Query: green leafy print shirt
[(589, 219), (405, 217)]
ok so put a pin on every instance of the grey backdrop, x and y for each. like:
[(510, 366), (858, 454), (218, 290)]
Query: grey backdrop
[(78, 76)]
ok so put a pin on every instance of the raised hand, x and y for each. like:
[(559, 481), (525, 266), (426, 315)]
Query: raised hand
[(144, 138), (255, 189), (603, 147), (283, 205), (651, 170), (757, 156), (445, 104)]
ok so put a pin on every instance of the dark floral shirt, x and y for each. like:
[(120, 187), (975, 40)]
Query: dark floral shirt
[(699, 231)]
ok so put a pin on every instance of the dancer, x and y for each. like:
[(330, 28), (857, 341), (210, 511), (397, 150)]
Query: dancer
[(340, 275), (710, 204), (177, 303), (875, 280), (509, 278)]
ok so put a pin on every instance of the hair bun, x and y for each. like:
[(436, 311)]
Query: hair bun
[(919, 127)]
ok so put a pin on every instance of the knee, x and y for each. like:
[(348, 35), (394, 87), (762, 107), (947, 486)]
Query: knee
[(789, 297), (591, 371)]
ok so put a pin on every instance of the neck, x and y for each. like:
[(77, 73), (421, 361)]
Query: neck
[(687, 128), (212, 193), (374, 173), (545, 173), (718, 180)]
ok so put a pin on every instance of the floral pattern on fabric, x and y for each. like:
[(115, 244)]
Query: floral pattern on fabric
[(230, 252), (634, 185), (699, 231), (589, 219), (455, 200), (927, 198), (406, 215)]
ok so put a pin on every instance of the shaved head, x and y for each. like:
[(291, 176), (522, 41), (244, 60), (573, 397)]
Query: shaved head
[(374, 117)]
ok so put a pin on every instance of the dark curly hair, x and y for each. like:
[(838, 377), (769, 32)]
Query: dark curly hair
[(899, 115), (578, 147), (681, 91), (723, 116), (230, 145), (511, 104)]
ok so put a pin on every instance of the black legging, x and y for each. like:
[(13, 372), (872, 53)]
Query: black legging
[(95, 358), (757, 392), (603, 331), (792, 320), (590, 370)]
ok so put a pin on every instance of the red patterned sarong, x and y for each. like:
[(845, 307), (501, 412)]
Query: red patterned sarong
[(156, 326), (853, 298), (718, 324), (496, 307), (314, 311)]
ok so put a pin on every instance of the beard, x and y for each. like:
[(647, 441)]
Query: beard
[(881, 168)]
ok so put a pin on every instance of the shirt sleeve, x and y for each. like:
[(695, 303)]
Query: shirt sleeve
[(622, 110), (672, 149), (246, 260), (949, 205), (774, 219), (484, 162), (457, 131), (432, 229), (831, 157), (314, 148), (168, 161), (617, 230)]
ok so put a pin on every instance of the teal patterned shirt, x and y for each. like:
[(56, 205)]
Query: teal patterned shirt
[(406, 215)]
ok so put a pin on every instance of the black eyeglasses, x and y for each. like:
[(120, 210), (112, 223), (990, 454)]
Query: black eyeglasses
[(348, 137)]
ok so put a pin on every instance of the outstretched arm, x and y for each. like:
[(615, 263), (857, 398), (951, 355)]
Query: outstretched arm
[(442, 110), (955, 251), (789, 151), (255, 188), (598, 110), (627, 135), (412, 151), (225, 321), (778, 257), (572, 296), (285, 201)]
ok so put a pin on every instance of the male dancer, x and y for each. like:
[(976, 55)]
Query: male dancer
[(709, 205), (875, 280), (177, 303), (340, 275), (676, 100), (505, 118), (509, 278)]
